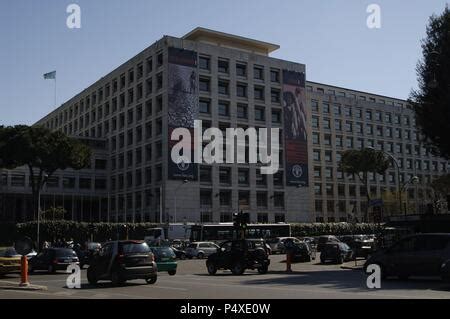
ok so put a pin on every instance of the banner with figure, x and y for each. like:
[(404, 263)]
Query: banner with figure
[(296, 138), (182, 107)]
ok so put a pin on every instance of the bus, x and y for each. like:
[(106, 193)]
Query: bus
[(227, 231), (181, 231)]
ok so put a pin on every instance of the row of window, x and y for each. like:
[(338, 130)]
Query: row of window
[(352, 191), (361, 128), (353, 96), (223, 87), (66, 182), (241, 69), (369, 114), (242, 111), (225, 198)]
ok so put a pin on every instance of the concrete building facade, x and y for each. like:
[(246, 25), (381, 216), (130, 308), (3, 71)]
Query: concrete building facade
[(235, 83)]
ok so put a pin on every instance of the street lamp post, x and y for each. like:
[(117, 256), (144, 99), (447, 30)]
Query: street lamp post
[(176, 193), (397, 166), (412, 180), (39, 211)]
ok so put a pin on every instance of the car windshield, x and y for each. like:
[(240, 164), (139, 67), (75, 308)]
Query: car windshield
[(8, 252), (93, 246), (65, 253), (192, 246), (135, 248), (163, 252)]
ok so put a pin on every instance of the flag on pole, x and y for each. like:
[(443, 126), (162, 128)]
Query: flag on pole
[(50, 75)]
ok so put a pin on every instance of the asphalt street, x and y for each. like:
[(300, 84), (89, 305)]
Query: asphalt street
[(308, 280)]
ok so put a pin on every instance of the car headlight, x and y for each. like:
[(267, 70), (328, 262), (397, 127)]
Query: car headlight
[(444, 264)]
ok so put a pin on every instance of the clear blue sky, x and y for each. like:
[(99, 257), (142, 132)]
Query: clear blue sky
[(330, 37)]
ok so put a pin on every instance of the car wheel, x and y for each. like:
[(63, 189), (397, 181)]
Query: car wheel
[(263, 270), (340, 260), (116, 279), (200, 255), (172, 272), (238, 269), (212, 269), (183, 256), (91, 277), (151, 280), (322, 261), (51, 269)]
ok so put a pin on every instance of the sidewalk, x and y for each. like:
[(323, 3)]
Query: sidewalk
[(352, 266), (14, 285)]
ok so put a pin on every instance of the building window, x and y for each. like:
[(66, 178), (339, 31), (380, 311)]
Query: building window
[(243, 176), (225, 198), (259, 93), (204, 85), (275, 95), (223, 66), (204, 63), (224, 108), (241, 69), (205, 174), (258, 72), (276, 116), (225, 175), (261, 199), (278, 199), (242, 111), (205, 106), (260, 113), (223, 87), (241, 90), (275, 76)]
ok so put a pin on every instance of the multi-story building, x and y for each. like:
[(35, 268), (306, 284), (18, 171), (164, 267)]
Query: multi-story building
[(230, 81)]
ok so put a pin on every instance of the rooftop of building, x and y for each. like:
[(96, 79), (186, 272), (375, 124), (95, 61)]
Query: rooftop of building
[(233, 41)]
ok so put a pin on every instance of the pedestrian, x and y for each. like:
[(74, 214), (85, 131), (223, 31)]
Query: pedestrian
[(289, 248)]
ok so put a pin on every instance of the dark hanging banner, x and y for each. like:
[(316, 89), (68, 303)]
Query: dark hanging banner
[(182, 108), (296, 138)]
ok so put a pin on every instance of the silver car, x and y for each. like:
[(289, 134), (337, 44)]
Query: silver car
[(277, 244), (201, 249)]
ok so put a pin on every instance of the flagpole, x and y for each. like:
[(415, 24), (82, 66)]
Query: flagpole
[(55, 91)]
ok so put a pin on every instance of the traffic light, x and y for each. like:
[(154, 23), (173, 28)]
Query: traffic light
[(241, 220)]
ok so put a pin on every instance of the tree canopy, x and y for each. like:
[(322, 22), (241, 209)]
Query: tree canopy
[(42, 151), (361, 163), (431, 101)]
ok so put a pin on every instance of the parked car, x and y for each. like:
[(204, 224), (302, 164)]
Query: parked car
[(179, 253), (201, 249), (336, 252), (53, 259), (123, 260), (9, 261), (85, 255), (361, 245), (239, 255), (31, 254), (303, 252), (165, 259), (277, 244), (323, 240), (414, 255)]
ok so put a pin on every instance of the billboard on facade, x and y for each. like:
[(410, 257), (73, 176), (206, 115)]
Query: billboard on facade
[(182, 107), (295, 133)]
